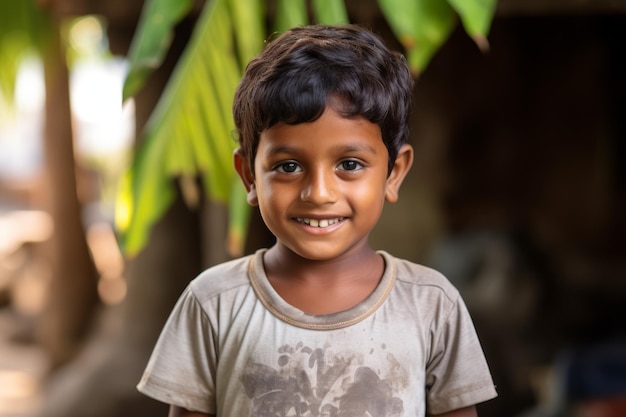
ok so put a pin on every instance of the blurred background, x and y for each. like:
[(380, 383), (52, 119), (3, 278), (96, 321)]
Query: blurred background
[(517, 194)]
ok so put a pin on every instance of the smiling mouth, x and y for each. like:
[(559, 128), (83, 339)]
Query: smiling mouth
[(319, 223)]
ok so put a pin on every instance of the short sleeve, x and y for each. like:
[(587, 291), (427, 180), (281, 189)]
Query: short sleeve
[(181, 369), (457, 374)]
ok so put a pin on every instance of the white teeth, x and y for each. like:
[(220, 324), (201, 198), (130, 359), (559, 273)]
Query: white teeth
[(318, 223)]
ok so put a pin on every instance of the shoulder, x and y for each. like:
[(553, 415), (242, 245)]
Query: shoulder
[(221, 278), (420, 277)]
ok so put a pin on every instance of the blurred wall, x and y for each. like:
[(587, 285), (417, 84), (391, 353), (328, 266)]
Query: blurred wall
[(518, 188)]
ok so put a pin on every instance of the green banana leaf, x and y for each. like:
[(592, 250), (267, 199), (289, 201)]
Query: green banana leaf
[(422, 26), (156, 31), (476, 16), (329, 12), (290, 13), (189, 135), (22, 30), (249, 28)]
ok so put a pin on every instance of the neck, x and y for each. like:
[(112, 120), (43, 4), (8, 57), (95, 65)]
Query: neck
[(282, 263)]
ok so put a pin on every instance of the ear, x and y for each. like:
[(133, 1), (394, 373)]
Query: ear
[(400, 169), (245, 173)]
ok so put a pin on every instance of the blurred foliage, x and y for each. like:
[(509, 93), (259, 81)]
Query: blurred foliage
[(23, 29), (422, 26)]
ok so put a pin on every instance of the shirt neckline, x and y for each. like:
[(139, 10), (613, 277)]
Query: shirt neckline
[(294, 316)]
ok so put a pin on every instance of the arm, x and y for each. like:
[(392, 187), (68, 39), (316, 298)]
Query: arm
[(461, 412), (181, 412)]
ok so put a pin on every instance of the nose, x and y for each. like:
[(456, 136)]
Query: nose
[(319, 187)]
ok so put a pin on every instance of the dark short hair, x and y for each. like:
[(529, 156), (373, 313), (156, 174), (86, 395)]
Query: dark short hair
[(296, 75)]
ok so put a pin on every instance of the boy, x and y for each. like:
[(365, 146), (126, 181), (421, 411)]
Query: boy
[(320, 324)]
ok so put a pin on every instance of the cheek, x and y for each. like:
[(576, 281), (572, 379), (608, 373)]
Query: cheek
[(271, 196), (368, 197), (372, 189)]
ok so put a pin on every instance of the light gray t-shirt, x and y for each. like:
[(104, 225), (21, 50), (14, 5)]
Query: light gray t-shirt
[(233, 347)]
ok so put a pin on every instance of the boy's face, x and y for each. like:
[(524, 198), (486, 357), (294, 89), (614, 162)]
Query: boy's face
[(321, 186)]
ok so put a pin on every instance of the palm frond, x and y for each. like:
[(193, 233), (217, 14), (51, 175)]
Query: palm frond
[(330, 12), (422, 26), (476, 16), (189, 133), (23, 28), (155, 32)]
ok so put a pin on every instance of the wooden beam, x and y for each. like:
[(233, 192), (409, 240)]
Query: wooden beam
[(553, 7)]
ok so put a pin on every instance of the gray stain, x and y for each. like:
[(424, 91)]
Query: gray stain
[(340, 387)]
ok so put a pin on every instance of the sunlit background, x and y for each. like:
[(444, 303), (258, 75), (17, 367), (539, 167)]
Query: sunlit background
[(103, 128)]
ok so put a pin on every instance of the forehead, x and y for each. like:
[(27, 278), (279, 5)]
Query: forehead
[(330, 131)]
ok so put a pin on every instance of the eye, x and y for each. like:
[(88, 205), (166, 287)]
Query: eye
[(288, 167), (349, 165)]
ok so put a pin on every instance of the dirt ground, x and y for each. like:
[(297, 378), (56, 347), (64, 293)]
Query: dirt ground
[(22, 367)]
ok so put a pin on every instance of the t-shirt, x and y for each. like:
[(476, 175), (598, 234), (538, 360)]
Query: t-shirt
[(233, 347)]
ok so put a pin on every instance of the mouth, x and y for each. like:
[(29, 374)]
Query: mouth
[(321, 223)]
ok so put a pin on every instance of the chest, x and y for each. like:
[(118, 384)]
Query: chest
[(376, 364)]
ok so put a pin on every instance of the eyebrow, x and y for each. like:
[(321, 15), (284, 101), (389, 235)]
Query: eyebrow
[(274, 150), (279, 149), (356, 148)]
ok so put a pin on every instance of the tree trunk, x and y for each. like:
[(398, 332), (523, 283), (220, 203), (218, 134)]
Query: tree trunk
[(101, 381), (72, 294)]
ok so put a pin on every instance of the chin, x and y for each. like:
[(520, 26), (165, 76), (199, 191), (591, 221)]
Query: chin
[(312, 253)]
